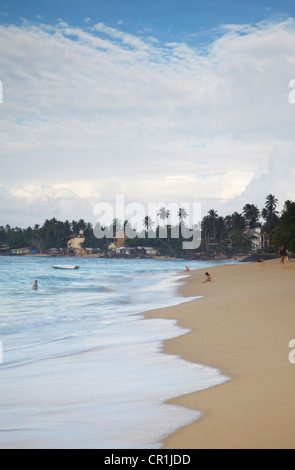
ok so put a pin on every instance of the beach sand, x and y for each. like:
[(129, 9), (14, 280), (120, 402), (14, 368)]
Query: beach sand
[(242, 326)]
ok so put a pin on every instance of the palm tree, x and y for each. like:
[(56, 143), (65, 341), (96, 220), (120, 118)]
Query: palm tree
[(238, 221), (163, 213), (287, 204), (271, 203), (182, 213), (213, 218), (228, 222), (116, 227), (235, 224), (270, 216), (129, 231), (251, 214), (222, 232), (285, 233), (148, 223), (208, 227)]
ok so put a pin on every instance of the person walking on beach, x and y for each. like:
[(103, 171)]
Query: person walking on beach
[(35, 285), (282, 254), (208, 278)]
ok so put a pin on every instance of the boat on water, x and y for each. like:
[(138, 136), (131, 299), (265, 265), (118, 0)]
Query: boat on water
[(65, 266)]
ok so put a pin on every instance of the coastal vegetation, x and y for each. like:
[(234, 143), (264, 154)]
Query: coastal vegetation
[(227, 235)]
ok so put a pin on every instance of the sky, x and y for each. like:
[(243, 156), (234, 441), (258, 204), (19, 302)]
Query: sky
[(179, 101)]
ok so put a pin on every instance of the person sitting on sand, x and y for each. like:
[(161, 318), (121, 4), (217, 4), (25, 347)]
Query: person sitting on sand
[(35, 285), (208, 278), (187, 269)]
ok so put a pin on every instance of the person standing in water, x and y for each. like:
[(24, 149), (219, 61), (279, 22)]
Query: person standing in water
[(35, 285)]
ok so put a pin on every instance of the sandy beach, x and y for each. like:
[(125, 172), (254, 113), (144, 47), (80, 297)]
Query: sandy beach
[(242, 326)]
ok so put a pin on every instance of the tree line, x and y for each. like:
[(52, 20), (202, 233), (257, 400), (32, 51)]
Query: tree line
[(220, 234)]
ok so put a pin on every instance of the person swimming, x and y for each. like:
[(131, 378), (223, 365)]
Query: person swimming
[(35, 285)]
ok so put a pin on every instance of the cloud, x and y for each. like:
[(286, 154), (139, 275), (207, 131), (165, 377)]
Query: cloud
[(125, 38), (36, 193), (91, 113)]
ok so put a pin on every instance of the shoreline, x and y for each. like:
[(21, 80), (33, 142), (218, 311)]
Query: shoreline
[(241, 326), (245, 258), (154, 257)]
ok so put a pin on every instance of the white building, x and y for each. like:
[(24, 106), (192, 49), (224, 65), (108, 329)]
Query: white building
[(76, 241), (255, 236)]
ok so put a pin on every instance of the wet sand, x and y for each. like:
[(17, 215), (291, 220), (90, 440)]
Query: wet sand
[(242, 326)]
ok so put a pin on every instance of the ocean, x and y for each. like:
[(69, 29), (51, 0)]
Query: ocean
[(80, 365)]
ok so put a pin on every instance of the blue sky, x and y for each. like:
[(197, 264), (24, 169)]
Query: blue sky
[(173, 102), (181, 20)]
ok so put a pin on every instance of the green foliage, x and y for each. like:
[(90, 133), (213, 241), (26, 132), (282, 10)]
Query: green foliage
[(270, 216), (219, 234), (284, 234), (240, 243), (251, 214)]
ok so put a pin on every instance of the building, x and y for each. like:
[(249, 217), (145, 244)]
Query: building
[(144, 251), (255, 237), (92, 251), (20, 251), (76, 241), (55, 251), (118, 243), (119, 240), (137, 251), (123, 251), (151, 251), (4, 250)]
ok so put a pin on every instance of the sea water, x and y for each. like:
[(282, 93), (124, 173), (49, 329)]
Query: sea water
[(81, 367)]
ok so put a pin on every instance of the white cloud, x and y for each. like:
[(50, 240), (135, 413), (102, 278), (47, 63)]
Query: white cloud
[(93, 113), (36, 193), (125, 38), (234, 183)]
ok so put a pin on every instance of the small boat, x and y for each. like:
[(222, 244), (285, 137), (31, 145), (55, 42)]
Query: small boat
[(65, 266)]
